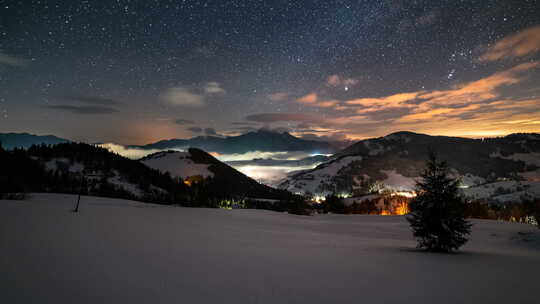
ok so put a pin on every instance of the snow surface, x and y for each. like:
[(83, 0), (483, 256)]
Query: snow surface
[(178, 164), (359, 199), (504, 191), (118, 251), (118, 181), (469, 180), (397, 182), (532, 158)]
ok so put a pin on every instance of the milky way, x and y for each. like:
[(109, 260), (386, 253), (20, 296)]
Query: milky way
[(138, 71)]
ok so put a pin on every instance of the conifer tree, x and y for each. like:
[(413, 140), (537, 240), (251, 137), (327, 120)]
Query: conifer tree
[(437, 214)]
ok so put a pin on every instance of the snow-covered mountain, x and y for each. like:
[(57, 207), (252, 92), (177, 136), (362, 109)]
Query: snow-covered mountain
[(177, 164), (395, 161), (197, 163), (72, 167)]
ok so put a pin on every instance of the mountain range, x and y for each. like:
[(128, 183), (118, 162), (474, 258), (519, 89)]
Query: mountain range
[(261, 140), (396, 160), (503, 168)]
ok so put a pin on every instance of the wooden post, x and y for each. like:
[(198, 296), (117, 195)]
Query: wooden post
[(80, 190)]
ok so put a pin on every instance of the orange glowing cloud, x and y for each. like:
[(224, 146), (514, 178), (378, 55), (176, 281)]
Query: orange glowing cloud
[(310, 98), (335, 81), (518, 45), (326, 104), (371, 105), (438, 113), (463, 95), (479, 90), (477, 108)]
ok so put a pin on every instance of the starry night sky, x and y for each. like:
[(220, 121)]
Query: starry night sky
[(132, 72)]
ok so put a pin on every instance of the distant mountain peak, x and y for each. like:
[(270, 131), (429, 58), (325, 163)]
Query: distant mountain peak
[(404, 133), (259, 140), (25, 140)]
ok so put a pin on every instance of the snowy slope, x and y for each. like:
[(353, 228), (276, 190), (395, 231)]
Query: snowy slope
[(396, 160), (178, 164), (114, 177), (504, 191), (196, 162), (117, 251), (320, 180)]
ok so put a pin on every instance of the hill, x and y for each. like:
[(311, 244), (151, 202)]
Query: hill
[(60, 168), (395, 161), (196, 162)]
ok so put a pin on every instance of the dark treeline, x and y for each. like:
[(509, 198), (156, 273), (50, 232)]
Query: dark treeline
[(527, 211), (26, 171)]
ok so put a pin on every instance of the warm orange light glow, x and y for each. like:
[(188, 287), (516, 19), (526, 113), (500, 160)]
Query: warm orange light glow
[(402, 208), (190, 180)]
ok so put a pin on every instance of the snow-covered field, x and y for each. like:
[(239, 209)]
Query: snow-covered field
[(117, 251)]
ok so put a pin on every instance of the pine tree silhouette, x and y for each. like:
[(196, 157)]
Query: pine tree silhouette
[(437, 214)]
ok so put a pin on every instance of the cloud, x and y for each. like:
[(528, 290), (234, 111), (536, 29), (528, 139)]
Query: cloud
[(183, 122), (244, 123), (195, 129), (133, 153), (91, 99), (242, 129), (276, 117), (210, 131), (331, 137), (333, 80), (430, 114), (336, 81), (369, 105), (279, 96), (479, 91), (310, 98), (326, 104), (517, 45), (12, 61), (214, 88), (476, 108), (84, 109), (180, 96)]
